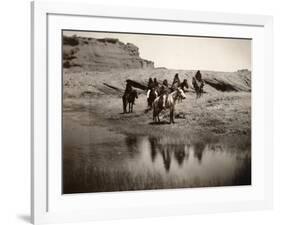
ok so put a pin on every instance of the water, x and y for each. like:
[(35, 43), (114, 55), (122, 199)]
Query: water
[(100, 160)]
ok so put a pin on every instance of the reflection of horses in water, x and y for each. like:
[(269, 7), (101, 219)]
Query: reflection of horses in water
[(153, 145), (170, 104), (179, 154), (129, 99), (166, 155), (168, 152), (198, 150)]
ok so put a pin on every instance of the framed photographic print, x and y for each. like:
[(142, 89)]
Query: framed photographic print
[(149, 112)]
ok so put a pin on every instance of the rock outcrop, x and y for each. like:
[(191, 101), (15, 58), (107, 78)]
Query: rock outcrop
[(101, 54), (229, 81)]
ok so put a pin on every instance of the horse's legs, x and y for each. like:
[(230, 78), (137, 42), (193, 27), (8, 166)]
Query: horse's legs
[(156, 118), (200, 92), (124, 104), (155, 115), (172, 115), (150, 102)]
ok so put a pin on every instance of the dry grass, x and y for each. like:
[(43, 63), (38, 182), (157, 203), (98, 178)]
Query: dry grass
[(110, 180)]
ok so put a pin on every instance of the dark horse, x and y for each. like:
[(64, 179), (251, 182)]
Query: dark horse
[(129, 98)]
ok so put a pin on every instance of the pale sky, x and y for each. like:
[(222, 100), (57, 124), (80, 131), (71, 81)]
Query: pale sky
[(183, 52)]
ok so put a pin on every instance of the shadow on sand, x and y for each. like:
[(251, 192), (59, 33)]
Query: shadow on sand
[(159, 123)]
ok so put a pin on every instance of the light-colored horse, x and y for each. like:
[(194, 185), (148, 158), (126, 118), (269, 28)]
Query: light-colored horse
[(170, 104)]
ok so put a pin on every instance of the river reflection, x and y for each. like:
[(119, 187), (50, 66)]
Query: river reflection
[(210, 161), (139, 163)]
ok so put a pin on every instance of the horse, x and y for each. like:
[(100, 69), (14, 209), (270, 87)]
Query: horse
[(170, 104), (184, 86), (129, 98), (198, 87), (151, 95)]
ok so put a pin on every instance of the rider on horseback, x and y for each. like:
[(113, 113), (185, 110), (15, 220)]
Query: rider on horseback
[(164, 91), (155, 83), (128, 89), (184, 85), (150, 86), (198, 83), (176, 82)]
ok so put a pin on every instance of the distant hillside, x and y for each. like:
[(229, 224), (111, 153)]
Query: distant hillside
[(81, 53), (112, 82)]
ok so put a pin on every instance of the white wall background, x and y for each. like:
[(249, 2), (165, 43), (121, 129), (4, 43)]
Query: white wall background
[(15, 109)]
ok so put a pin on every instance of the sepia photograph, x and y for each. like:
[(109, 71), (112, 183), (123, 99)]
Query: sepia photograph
[(154, 111)]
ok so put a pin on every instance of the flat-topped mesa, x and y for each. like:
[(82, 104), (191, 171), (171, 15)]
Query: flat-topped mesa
[(101, 54)]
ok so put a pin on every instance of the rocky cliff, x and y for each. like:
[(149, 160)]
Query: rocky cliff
[(101, 54)]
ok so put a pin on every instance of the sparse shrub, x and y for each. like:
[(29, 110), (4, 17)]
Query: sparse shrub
[(72, 41), (69, 54), (66, 64), (108, 40)]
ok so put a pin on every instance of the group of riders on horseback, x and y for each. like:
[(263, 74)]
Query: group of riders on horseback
[(161, 97)]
